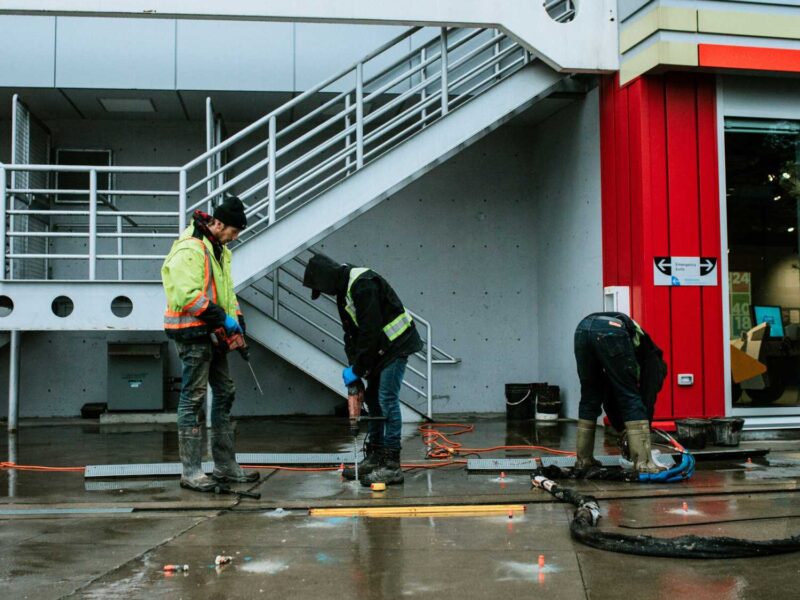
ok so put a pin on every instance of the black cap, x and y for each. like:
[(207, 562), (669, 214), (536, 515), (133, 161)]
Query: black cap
[(231, 212)]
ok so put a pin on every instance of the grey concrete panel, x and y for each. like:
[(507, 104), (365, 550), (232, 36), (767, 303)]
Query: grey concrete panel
[(115, 53), (27, 47), (323, 50), (566, 172), (628, 7), (231, 55)]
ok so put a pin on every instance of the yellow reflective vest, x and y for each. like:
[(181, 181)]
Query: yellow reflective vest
[(192, 278)]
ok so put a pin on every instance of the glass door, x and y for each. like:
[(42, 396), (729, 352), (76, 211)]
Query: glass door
[(762, 170)]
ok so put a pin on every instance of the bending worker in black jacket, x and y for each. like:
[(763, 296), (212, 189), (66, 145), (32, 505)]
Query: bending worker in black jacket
[(379, 336), (621, 370)]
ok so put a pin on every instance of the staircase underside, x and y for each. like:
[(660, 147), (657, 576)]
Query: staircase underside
[(391, 172)]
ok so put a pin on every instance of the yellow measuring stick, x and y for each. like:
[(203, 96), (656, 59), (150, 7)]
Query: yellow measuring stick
[(419, 511)]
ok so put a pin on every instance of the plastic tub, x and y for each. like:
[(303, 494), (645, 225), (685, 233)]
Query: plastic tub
[(548, 404), (727, 430), (519, 401), (693, 433)]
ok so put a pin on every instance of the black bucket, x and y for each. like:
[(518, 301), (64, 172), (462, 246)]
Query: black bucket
[(519, 401), (693, 433), (548, 404), (727, 431)]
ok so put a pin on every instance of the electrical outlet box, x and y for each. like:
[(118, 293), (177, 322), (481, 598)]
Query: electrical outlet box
[(685, 379)]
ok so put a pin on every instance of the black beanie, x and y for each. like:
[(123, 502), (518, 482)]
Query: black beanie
[(231, 212)]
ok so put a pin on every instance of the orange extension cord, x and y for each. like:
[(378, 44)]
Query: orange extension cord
[(440, 448)]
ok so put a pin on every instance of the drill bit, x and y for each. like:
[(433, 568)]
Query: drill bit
[(355, 453), (260, 391)]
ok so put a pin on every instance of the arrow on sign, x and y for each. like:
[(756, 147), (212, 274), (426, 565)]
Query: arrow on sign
[(707, 265), (663, 264)]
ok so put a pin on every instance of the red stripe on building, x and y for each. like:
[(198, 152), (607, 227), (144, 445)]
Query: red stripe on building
[(748, 57), (661, 198)]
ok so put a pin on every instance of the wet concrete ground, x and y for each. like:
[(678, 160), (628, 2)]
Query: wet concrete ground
[(60, 537)]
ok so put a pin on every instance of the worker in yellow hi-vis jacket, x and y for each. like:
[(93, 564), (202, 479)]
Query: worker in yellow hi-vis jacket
[(200, 298)]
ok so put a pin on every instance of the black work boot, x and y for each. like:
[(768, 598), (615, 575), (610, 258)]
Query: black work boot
[(388, 470), (367, 465), (226, 469), (190, 443)]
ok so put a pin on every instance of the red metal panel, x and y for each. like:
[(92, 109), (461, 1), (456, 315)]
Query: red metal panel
[(684, 226), (749, 57), (710, 245), (623, 215), (638, 163), (608, 177), (657, 315)]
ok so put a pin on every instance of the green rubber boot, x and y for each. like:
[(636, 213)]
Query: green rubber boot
[(584, 446), (226, 469), (639, 447), (190, 443)]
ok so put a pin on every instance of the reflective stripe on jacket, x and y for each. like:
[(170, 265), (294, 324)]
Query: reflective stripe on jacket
[(395, 328), (193, 278)]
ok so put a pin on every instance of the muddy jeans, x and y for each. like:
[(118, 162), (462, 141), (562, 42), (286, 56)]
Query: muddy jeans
[(383, 399), (607, 363), (202, 366)]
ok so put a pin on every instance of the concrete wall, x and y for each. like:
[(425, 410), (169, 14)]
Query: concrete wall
[(108, 53), (498, 247), (569, 250)]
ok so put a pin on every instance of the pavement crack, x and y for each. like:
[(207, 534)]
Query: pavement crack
[(140, 556)]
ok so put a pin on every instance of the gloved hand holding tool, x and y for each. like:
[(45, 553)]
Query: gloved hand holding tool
[(349, 377), (227, 342)]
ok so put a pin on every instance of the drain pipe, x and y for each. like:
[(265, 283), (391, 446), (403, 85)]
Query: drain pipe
[(13, 382)]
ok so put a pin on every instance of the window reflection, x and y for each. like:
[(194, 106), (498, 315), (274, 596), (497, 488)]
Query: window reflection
[(762, 161)]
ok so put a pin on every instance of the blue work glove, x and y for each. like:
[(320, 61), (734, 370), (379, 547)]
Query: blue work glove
[(349, 377), (232, 325)]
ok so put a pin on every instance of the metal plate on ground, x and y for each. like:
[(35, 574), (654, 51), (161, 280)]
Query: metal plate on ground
[(501, 464), (613, 460), (166, 469)]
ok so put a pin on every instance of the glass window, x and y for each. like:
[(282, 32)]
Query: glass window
[(762, 164)]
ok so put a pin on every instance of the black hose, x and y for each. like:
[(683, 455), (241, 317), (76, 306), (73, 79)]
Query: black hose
[(583, 528)]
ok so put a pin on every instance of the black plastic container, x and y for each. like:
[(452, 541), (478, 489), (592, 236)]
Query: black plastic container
[(693, 433), (727, 431), (519, 401), (548, 404)]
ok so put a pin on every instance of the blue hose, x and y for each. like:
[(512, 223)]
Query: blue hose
[(680, 472)]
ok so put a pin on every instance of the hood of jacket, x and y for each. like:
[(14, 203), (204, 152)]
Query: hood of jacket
[(326, 276)]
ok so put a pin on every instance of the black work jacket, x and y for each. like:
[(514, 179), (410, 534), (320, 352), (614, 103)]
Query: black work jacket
[(367, 346)]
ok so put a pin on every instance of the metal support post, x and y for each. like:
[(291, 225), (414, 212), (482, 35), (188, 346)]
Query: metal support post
[(359, 115), (181, 201), (273, 132), (423, 56), (13, 382), (92, 225), (209, 144), (429, 368), (348, 139), (12, 458), (443, 55), (119, 248), (276, 288), (3, 224)]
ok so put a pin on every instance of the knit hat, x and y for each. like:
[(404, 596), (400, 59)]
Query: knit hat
[(231, 212)]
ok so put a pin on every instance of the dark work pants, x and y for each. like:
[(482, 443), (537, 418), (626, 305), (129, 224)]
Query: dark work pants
[(382, 397), (203, 366), (608, 372)]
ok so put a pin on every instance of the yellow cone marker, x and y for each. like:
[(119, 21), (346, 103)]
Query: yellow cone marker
[(377, 487)]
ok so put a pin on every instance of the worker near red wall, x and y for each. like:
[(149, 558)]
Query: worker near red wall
[(379, 336), (200, 298), (621, 370)]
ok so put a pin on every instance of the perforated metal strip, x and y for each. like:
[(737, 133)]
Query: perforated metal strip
[(501, 464), (164, 469)]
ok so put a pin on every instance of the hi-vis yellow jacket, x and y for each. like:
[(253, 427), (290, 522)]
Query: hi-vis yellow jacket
[(195, 281)]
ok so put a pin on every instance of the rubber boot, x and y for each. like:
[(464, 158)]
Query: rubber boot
[(226, 469), (388, 470), (639, 447), (190, 443), (584, 446), (366, 466)]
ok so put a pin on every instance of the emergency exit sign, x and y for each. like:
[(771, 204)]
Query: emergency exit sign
[(684, 270)]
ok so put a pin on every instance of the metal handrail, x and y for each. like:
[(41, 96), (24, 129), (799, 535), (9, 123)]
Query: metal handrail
[(337, 145)]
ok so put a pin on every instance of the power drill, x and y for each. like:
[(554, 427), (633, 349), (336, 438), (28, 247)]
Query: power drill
[(355, 396), (227, 343)]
